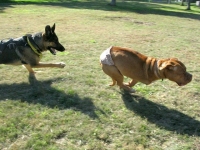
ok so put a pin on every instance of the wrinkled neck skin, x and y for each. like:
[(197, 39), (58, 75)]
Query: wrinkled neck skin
[(152, 70)]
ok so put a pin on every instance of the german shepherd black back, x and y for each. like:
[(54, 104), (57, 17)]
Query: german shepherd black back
[(27, 50)]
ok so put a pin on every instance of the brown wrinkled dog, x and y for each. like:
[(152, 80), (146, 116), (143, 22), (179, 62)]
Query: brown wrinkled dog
[(118, 62)]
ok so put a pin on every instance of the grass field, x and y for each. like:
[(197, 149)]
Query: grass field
[(74, 108)]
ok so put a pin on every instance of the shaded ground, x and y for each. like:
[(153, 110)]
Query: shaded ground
[(162, 116), (137, 7)]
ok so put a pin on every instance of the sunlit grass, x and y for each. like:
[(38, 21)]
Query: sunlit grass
[(73, 107)]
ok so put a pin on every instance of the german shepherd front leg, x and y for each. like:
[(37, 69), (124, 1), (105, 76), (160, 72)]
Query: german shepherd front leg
[(43, 65), (51, 65)]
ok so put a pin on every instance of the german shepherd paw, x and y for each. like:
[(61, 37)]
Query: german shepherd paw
[(62, 65)]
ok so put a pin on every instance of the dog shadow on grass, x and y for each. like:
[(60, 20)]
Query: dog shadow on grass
[(41, 92), (163, 117)]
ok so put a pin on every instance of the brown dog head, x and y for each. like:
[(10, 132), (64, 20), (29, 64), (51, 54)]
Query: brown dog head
[(174, 70)]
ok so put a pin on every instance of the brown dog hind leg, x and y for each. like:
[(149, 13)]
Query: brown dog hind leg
[(114, 82), (108, 71), (114, 73)]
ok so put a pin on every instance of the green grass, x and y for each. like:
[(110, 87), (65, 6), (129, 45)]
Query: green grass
[(73, 108)]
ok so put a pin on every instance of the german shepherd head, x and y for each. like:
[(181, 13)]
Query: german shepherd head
[(50, 40)]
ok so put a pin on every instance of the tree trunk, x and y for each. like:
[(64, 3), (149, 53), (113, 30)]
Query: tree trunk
[(188, 5), (113, 3), (182, 3)]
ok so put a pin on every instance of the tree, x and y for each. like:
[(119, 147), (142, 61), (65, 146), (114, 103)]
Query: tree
[(182, 3), (188, 5), (113, 3), (169, 1)]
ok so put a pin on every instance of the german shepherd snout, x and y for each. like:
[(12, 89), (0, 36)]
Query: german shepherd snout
[(27, 50)]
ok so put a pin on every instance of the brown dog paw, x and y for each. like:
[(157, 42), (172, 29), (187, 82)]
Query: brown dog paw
[(127, 84), (128, 89)]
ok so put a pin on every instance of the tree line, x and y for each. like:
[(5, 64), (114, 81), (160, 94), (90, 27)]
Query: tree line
[(113, 3)]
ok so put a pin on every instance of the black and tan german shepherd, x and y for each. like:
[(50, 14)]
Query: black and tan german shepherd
[(27, 50)]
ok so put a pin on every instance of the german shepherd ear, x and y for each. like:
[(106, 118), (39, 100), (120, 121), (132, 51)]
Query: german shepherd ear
[(53, 28), (48, 31)]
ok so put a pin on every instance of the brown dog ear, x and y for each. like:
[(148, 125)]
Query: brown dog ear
[(167, 65), (176, 59)]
